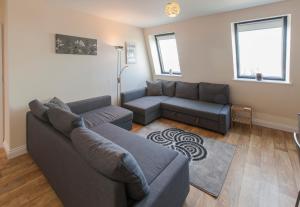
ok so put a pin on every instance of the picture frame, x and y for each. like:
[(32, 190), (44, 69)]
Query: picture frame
[(130, 53), (65, 44)]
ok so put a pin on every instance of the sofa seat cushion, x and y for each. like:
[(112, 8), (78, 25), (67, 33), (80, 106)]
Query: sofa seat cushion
[(193, 107), (145, 104), (151, 157), (112, 114)]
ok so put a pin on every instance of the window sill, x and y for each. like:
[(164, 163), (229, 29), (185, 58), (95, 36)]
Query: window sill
[(263, 81), (169, 75)]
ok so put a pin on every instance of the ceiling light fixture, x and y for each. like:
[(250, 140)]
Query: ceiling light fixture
[(172, 9)]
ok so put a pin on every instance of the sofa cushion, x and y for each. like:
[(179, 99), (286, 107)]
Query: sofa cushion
[(39, 110), (196, 108), (187, 90), (111, 160), (82, 106), (168, 88), (64, 121), (152, 158), (215, 93), (57, 103), (145, 104), (112, 114), (154, 88)]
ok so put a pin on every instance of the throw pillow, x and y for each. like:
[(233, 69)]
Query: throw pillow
[(154, 88), (215, 93), (168, 88), (64, 121), (39, 110), (111, 160), (57, 103), (187, 90)]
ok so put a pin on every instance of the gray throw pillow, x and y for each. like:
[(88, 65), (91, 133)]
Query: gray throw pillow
[(39, 110), (154, 88), (187, 90), (64, 121), (168, 88), (111, 160), (214, 93), (57, 103)]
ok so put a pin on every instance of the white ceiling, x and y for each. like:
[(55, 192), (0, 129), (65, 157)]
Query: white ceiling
[(147, 13)]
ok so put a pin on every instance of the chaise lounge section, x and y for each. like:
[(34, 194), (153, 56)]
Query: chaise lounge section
[(76, 181), (99, 110), (204, 105)]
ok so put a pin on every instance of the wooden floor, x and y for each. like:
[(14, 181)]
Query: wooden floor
[(265, 172)]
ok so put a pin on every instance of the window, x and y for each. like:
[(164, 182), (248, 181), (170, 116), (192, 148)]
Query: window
[(167, 53), (261, 47)]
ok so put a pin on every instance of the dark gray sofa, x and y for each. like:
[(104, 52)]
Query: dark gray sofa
[(78, 184), (204, 105)]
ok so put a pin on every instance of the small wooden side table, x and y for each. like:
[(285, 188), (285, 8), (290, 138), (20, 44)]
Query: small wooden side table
[(241, 114)]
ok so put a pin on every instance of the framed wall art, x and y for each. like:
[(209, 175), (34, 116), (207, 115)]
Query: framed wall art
[(65, 44), (130, 53)]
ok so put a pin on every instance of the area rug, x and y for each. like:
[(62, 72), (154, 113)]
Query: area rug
[(209, 159)]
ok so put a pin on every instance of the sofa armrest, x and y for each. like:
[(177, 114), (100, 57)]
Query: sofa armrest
[(75, 182), (171, 187), (132, 95), (90, 104), (225, 119)]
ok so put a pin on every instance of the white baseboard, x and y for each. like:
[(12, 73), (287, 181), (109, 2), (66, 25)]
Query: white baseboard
[(273, 125), (12, 153)]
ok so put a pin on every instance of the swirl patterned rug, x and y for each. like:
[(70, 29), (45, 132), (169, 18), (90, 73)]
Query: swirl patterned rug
[(209, 159)]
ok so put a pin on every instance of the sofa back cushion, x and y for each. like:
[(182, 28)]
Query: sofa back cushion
[(111, 160), (154, 88), (168, 88), (214, 93), (187, 90), (64, 121), (39, 110)]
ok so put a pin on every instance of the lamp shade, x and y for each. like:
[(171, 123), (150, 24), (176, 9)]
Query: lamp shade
[(172, 9)]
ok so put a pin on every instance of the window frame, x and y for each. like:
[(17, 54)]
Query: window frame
[(156, 37), (284, 66)]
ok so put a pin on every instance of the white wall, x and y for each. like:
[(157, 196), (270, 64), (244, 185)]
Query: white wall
[(35, 71), (205, 53), (2, 6)]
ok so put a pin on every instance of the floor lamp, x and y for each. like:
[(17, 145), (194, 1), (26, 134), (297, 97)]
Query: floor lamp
[(120, 70)]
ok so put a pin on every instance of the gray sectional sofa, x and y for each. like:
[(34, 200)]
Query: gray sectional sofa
[(77, 182), (200, 104)]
